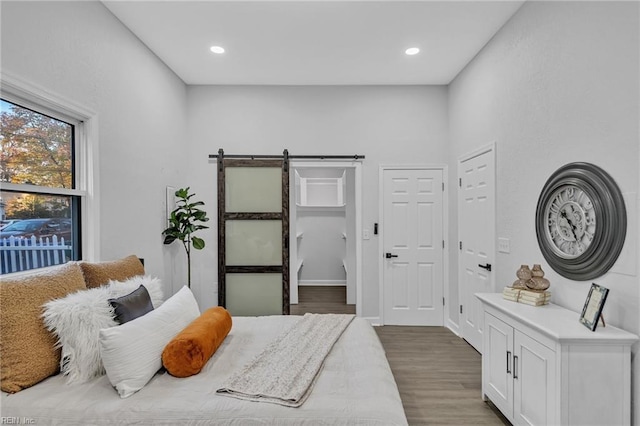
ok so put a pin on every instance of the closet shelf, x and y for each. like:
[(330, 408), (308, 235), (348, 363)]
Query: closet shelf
[(337, 208), (321, 190)]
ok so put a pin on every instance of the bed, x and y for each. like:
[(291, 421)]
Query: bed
[(355, 387)]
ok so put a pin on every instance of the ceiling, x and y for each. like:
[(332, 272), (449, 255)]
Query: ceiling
[(314, 42)]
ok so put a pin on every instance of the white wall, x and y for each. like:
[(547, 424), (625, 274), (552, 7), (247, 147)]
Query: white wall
[(406, 124), (81, 52), (322, 247), (558, 84)]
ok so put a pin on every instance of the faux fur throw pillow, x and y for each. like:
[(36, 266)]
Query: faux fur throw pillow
[(76, 320)]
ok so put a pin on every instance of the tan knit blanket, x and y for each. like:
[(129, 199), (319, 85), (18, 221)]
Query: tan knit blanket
[(285, 372)]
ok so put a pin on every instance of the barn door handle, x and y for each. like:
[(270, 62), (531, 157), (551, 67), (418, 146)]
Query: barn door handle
[(389, 255), (487, 267)]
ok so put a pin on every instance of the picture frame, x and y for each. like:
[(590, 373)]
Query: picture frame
[(592, 310)]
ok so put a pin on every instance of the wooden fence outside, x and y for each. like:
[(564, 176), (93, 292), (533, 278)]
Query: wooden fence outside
[(22, 254)]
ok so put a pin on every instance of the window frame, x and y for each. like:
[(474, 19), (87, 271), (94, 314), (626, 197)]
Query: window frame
[(85, 158)]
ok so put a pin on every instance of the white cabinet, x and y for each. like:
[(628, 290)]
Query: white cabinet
[(540, 366), (520, 374)]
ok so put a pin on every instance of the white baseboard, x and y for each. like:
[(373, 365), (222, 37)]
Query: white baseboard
[(322, 283), (374, 321), (453, 327)]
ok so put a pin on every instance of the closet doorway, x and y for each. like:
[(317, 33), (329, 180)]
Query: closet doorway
[(325, 237)]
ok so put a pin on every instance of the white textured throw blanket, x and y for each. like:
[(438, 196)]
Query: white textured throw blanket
[(285, 372)]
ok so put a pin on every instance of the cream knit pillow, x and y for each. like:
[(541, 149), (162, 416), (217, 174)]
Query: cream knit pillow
[(28, 352)]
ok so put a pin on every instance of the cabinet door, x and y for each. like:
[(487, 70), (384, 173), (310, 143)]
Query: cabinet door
[(534, 382), (497, 379)]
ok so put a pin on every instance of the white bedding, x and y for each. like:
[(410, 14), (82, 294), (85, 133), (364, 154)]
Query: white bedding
[(355, 387)]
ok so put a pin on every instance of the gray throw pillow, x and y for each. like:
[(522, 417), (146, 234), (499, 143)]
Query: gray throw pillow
[(132, 305)]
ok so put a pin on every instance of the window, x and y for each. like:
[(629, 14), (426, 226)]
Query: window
[(40, 201)]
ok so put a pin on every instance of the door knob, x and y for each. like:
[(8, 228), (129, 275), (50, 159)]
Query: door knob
[(487, 267), (389, 255)]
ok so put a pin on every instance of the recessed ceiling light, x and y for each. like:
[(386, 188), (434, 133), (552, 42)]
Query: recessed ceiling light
[(412, 51), (217, 49)]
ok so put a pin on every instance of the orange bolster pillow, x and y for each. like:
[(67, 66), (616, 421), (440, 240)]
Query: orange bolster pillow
[(190, 350)]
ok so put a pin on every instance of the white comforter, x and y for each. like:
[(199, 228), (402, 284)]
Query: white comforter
[(355, 387)]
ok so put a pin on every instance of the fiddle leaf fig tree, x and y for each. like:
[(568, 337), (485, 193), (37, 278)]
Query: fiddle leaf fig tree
[(184, 221)]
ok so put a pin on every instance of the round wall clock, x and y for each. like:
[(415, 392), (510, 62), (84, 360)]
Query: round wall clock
[(581, 221)]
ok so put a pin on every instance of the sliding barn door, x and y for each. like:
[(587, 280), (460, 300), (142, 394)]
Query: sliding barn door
[(253, 236)]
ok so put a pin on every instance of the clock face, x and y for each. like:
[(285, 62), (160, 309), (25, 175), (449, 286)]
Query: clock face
[(571, 221), (581, 221)]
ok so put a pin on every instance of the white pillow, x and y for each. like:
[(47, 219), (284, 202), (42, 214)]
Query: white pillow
[(77, 319), (132, 352)]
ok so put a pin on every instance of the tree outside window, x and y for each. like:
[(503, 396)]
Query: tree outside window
[(36, 168)]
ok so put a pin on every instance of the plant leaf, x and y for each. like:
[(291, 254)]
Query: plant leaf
[(200, 215), (198, 243)]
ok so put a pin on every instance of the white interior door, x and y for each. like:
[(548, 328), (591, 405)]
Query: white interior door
[(413, 235), (477, 235)]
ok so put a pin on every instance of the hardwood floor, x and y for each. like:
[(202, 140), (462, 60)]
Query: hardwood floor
[(438, 374), (322, 300)]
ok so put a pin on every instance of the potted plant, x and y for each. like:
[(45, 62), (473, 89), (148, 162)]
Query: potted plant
[(184, 221)]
